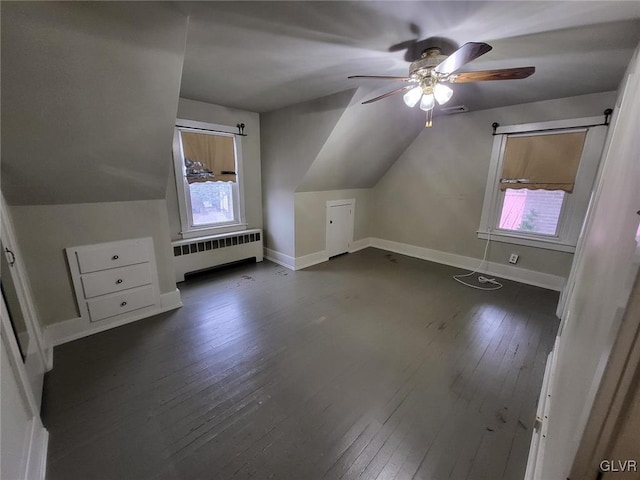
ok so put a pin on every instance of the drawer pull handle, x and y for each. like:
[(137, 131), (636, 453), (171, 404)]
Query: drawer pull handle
[(123, 304), (118, 281), (115, 257)]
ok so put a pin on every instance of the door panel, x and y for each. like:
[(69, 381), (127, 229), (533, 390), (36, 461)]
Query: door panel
[(339, 229)]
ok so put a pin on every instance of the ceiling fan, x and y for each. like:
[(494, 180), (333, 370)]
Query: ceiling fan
[(428, 75)]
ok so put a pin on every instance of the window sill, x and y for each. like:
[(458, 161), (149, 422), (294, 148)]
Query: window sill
[(550, 244), (205, 232)]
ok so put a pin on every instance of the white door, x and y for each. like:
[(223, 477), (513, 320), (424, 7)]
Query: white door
[(339, 226)]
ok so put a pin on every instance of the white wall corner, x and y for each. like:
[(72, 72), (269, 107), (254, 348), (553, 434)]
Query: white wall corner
[(279, 258), (170, 300), (311, 259), (360, 244), (509, 272)]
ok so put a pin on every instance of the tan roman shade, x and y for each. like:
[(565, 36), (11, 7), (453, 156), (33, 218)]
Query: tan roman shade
[(546, 161), (215, 153)]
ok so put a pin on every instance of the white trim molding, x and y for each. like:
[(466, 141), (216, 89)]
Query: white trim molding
[(509, 272), (530, 277), (170, 300), (311, 259), (33, 458), (76, 328), (536, 449), (280, 258), (38, 447), (574, 205), (188, 227), (39, 355), (305, 261), (361, 244)]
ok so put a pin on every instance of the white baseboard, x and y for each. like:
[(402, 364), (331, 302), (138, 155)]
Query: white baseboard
[(311, 259), (170, 300), (76, 328), (509, 272), (361, 244), (298, 263), (280, 258), (529, 277)]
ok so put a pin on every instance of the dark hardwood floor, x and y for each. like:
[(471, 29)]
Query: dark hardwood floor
[(372, 365)]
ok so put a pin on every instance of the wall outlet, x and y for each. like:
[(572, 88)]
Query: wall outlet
[(513, 258)]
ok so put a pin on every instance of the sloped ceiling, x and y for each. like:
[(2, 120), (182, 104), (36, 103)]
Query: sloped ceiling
[(362, 146), (89, 100), (90, 89), (262, 56), (266, 56)]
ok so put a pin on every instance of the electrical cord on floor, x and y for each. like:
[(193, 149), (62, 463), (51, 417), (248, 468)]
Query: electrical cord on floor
[(482, 279)]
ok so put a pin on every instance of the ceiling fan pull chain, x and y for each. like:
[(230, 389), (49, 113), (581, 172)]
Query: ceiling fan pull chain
[(429, 121)]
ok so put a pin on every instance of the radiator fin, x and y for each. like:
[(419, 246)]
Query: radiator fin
[(202, 246)]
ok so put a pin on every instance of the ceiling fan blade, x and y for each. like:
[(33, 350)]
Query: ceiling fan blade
[(388, 94), (382, 77), (484, 75), (466, 53)]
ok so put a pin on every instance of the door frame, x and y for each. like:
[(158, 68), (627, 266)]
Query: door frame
[(40, 354), (32, 465), (338, 203)]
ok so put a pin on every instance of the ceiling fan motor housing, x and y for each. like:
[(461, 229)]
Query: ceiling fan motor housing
[(422, 67)]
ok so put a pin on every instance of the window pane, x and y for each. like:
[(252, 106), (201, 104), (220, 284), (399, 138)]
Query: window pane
[(211, 202), (535, 211)]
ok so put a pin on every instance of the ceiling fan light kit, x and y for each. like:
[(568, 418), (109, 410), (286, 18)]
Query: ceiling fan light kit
[(427, 102), (433, 69), (442, 93), (412, 97)]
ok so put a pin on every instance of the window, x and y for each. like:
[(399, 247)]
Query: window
[(207, 161), (540, 182), (535, 211)]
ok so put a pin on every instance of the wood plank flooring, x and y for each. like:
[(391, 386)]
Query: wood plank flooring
[(370, 366)]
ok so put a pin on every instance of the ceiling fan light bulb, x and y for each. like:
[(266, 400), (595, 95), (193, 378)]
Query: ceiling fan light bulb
[(412, 96), (442, 93), (427, 103)]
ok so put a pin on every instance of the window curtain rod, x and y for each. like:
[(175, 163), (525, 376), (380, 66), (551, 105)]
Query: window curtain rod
[(607, 118), (239, 126)]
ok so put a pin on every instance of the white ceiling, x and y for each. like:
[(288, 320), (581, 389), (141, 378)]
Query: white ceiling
[(261, 56)]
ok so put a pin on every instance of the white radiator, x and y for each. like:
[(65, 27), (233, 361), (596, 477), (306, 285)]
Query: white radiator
[(197, 254)]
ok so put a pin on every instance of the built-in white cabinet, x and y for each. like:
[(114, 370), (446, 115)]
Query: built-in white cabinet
[(115, 280)]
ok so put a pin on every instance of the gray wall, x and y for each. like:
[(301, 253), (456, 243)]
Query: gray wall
[(209, 113), (331, 144), (311, 217), (44, 231), (89, 100), (290, 141), (432, 196), (89, 97), (365, 142)]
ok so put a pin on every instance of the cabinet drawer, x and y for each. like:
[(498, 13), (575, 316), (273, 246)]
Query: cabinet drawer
[(123, 302), (115, 280), (112, 256)]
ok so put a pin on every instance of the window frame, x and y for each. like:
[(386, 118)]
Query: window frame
[(188, 229), (575, 204)]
